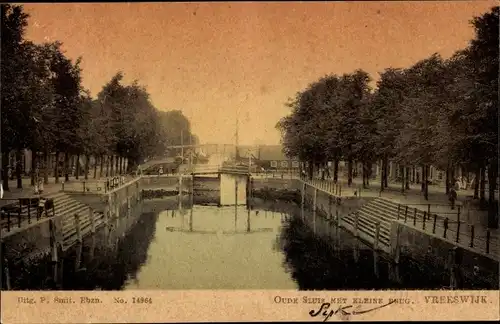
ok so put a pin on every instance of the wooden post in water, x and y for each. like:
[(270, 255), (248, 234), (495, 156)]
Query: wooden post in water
[(180, 186), (78, 228), (315, 199), (356, 223), (92, 221), (79, 253), (377, 236), (53, 240), (375, 263), (396, 250), (5, 266), (329, 207)]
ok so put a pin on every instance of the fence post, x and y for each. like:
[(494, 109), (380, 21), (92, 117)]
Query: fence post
[(472, 236), (445, 227), (78, 229), (83, 186), (458, 231), (423, 222), (377, 234), (428, 211), (458, 213), (488, 241), (62, 185), (406, 213), (340, 190), (434, 225), (399, 207)]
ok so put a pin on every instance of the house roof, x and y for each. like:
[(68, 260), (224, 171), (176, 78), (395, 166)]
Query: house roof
[(263, 152), (271, 153)]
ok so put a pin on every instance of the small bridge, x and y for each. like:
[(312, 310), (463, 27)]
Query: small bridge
[(216, 169)]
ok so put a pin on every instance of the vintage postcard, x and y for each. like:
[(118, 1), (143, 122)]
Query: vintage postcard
[(249, 161)]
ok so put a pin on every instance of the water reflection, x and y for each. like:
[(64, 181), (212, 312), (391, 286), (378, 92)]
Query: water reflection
[(269, 245)]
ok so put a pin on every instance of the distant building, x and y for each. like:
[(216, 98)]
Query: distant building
[(267, 157)]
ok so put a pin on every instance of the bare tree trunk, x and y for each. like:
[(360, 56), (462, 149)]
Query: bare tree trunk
[(482, 185), (413, 173), (426, 182), (476, 183), (19, 156), (382, 174), (66, 166), (95, 166), (349, 172), (492, 205), (407, 178), (386, 173), (448, 180), (101, 162), (423, 178), (363, 174), (46, 167), (108, 163), (369, 173), (77, 168), (117, 165), (5, 171), (402, 171), (33, 166), (86, 168), (336, 170), (111, 165), (56, 167)]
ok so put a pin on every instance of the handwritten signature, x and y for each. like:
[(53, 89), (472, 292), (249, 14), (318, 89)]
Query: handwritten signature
[(344, 310)]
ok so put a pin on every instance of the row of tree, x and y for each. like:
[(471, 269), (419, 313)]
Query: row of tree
[(46, 109), (441, 112)]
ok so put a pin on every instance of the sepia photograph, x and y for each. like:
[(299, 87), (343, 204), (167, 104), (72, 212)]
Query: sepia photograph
[(298, 146)]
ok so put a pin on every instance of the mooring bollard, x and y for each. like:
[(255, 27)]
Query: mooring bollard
[(78, 228)]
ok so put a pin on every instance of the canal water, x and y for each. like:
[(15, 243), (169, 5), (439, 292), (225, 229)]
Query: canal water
[(270, 245)]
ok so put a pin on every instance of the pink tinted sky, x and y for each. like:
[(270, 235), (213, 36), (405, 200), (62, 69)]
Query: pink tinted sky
[(211, 60)]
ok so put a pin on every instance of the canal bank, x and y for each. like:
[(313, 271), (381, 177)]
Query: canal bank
[(326, 225)]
